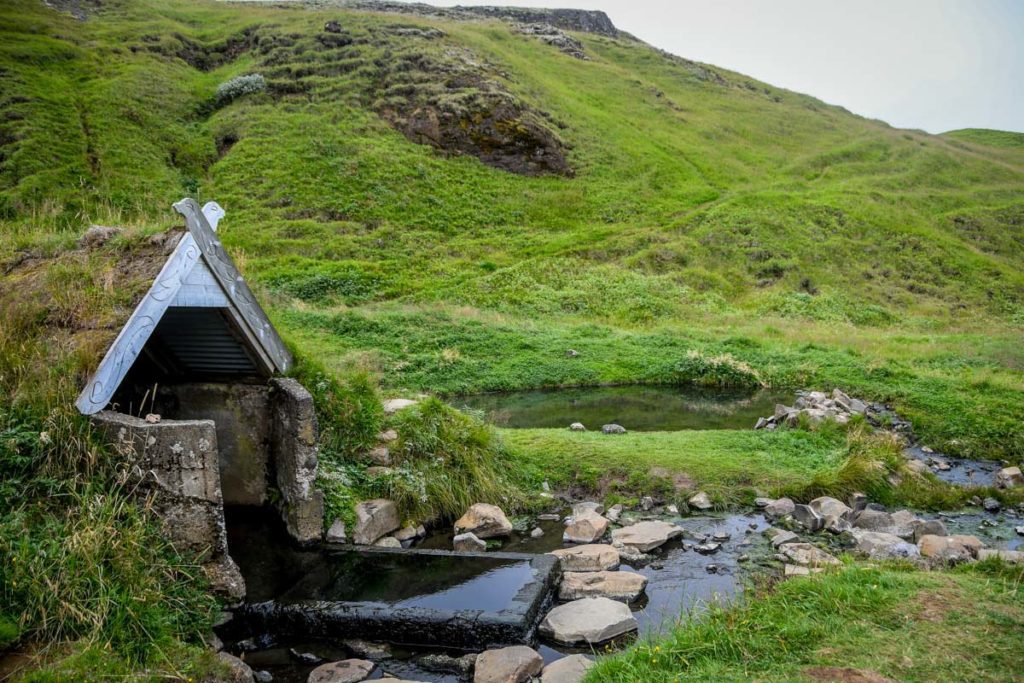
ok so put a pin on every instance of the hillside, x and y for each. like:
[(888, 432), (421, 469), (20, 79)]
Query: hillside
[(447, 201)]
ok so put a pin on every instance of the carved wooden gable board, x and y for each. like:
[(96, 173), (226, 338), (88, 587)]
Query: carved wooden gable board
[(198, 274)]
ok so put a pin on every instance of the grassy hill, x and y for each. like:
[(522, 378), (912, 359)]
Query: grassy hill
[(448, 202)]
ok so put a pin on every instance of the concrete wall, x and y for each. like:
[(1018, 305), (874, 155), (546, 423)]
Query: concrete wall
[(294, 448), (243, 415), (175, 464)]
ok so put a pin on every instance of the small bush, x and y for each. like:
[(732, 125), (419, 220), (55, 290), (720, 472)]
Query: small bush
[(714, 371), (239, 86)]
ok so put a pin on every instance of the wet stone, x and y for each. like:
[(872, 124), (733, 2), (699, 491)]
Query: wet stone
[(589, 621), (571, 669), (587, 558), (617, 585), (468, 543), (646, 536), (514, 664), (345, 671)]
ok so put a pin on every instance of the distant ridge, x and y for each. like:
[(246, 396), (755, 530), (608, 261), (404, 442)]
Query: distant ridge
[(987, 136), (587, 21)]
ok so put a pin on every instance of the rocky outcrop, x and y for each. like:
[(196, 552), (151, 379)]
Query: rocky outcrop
[(508, 665), (589, 621), (484, 521)]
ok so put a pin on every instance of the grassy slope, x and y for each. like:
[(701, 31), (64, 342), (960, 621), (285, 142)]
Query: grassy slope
[(719, 217)]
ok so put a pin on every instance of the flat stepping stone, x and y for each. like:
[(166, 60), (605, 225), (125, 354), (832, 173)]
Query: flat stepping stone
[(514, 664), (345, 671), (571, 669), (589, 621), (621, 585), (594, 557), (646, 536)]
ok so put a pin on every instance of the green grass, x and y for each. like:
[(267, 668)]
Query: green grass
[(906, 625), (716, 230)]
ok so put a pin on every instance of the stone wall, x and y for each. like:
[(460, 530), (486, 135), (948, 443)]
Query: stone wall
[(175, 465)]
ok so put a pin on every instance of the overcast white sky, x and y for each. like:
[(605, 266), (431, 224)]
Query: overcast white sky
[(930, 64)]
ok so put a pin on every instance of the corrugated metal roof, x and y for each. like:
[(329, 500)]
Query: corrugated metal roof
[(201, 342)]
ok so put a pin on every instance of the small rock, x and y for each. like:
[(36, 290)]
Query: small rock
[(388, 542), (701, 501), (646, 503), (781, 537), (262, 676), (882, 546), (485, 521), (708, 548), (587, 506), (589, 621), (1009, 477), (991, 505), (721, 536), (807, 555), (572, 353), (549, 517), (711, 569), (152, 418), (577, 427), (468, 543), (587, 558), (571, 669), (630, 555), (368, 650), (406, 534), (336, 534), (743, 558), (393, 405), (672, 509), (931, 527), (307, 658), (762, 502), (374, 519), (537, 532), (380, 456), (873, 520), (98, 235), (442, 663), (779, 508), (514, 664), (345, 671), (614, 512), (1019, 530), (761, 423), (808, 518), (387, 436), (238, 671), (613, 429), (916, 466), (616, 585)]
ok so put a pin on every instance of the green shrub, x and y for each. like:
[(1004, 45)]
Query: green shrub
[(714, 371)]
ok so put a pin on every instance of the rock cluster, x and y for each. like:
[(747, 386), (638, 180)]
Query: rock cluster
[(554, 37), (817, 406)]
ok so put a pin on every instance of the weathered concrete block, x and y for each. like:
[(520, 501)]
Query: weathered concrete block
[(294, 441)]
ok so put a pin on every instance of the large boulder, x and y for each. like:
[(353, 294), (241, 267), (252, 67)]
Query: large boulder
[(374, 519), (589, 621), (514, 664), (620, 585), (807, 555), (485, 521), (571, 669), (345, 671), (944, 549), (882, 546), (585, 527), (972, 543), (587, 558), (645, 536), (1009, 477)]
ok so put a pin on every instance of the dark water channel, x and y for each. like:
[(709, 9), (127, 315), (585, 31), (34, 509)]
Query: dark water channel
[(637, 408)]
